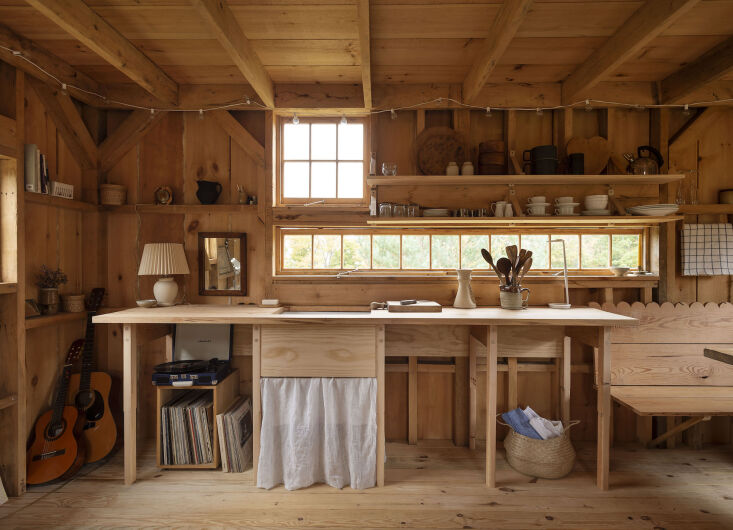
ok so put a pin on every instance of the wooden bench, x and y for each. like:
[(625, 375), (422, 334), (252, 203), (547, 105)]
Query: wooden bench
[(660, 368)]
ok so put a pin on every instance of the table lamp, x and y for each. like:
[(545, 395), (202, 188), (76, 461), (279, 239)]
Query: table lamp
[(164, 260)]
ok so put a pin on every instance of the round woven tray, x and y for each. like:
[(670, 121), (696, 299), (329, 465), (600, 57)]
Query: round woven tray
[(436, 147), (553, 458)]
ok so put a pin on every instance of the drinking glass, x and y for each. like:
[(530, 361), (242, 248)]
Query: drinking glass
[(389, 169), (385, 209), (399, 210)]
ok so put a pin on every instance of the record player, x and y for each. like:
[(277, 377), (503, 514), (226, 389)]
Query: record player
[(201, 356)]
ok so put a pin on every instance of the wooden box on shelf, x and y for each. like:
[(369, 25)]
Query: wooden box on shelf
[(224, 395)]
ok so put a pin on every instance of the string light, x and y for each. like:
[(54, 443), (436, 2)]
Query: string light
[(296, 120), (201, 114), (64, 91), (343, 119), (246, 100)]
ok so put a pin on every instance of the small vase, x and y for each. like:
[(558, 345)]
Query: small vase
[(452, 169), (48, 295), (464, 296)]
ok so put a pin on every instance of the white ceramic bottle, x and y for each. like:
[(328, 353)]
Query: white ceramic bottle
[(464, 296), (452, 169), (467, 168)]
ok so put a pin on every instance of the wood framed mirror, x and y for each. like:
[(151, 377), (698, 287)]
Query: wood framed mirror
[(222, 264)]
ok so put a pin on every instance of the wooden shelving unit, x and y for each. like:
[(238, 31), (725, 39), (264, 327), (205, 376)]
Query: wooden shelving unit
[(50, 320), (49, 200), (504, 180), (8, 287), (576, 221), (180, 208)]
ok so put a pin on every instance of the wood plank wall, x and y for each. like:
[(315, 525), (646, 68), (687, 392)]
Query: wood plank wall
[(103, 248)]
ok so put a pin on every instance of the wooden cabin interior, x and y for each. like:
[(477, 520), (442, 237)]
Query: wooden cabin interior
[(286, 163)]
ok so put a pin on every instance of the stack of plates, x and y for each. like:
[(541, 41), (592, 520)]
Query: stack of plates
[(653, 209), (436, 212)]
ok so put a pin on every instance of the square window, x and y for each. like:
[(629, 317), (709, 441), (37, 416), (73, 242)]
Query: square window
[(625, 250), (323, 179), (415, 252), (386, 252), (594, 251), (297, 251), (327, 252), (296, 141), (444, 252), (539, 244), (572, 251), (351, 141), (295, 179), (357, 252), (323, 141), (471, 246)]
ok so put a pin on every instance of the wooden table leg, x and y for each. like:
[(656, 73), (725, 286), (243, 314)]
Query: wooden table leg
[(565, 380), (491, 397), (129, 399), (256, 399), (604, 407), (380, 405)]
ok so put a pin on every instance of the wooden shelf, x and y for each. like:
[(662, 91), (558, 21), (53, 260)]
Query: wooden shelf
[(59, 318), (59, 202), (702, 209), (576, 221), (8, 401), (180, 208), (503, 180), (8, 287)]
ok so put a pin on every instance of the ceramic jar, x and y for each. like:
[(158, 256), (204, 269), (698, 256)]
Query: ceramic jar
[(467, 168), (452, 169), (464, 295)]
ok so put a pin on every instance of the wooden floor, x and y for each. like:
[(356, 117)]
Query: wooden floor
[(432, 485)]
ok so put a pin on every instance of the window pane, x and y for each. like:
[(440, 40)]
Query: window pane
[(297, 252), (323, 179), (445, 252), (415, 252), (323, 141), (386, 252), (327, 252), (295, 179), (351, 180), (539, 245), (625, 250), (572, 246), (499, 244), (471, 246), (357, 252), (594, 251), (351, 141), (295, 141)]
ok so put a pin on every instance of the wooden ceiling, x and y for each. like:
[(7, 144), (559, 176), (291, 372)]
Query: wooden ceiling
[(568, 46)]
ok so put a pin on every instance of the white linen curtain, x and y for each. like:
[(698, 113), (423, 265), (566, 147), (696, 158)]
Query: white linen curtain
[(318, 430)]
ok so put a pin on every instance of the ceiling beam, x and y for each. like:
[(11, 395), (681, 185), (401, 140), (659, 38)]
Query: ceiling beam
[(69, 124), (240, 135), (81, 22), (640, 29), (125, 137), (505, 26), (56, 67), (711, 66), (366, 53), (227, 31)]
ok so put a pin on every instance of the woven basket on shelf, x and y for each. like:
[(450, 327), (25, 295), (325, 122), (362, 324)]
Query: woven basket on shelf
[(553, 458), (72, 303), (112, 194)]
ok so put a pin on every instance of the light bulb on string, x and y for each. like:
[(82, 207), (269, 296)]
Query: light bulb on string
[(201, 114), (686, 110), (488, 112), (343, 119), (296, 120), (393, 114), (64, 90), (247, 101), (588, 107), (539, 111)]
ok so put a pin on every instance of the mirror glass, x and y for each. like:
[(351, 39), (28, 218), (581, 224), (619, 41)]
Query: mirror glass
[(222, 264)]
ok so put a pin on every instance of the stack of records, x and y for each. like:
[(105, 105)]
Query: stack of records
[(186, 429), (235, 436)]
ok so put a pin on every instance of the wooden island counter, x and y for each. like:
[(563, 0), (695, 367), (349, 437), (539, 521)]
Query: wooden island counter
[(352, 344)]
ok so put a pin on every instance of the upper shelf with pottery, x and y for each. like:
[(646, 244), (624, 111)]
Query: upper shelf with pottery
[(503, 180)]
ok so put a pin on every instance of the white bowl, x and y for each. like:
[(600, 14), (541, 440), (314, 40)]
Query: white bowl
[(619, 271), (596, 204), (146, 303)]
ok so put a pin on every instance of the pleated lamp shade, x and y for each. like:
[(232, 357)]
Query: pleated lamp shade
[(163, 259)]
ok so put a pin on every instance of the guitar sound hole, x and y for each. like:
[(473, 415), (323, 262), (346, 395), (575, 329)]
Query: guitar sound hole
[(85, 399), (92, 404), (55, 430)]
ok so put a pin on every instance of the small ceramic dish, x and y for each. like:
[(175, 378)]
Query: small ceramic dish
[(619, 271), (146, 303)]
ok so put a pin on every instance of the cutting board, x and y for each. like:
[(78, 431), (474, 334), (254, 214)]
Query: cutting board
[(596, 153), (422, 306)]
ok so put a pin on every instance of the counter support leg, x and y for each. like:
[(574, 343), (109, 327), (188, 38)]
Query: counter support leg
[(491, 397), (256, 399), (129, 399), (380, 405), (604, 407)]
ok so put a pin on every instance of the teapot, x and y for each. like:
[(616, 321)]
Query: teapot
[(208, 191), (645, 165)]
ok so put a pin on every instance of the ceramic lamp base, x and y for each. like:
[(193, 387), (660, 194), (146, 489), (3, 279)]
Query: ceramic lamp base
[(165, 291)]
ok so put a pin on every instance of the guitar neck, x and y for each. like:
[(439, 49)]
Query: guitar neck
[(60, 401), (87, 359)]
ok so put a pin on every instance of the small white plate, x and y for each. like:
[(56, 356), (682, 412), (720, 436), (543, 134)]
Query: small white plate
[(146, 303)]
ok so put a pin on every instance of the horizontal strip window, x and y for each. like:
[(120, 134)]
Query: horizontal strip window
[(325, 251)]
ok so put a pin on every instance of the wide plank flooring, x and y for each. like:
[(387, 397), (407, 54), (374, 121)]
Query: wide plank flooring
[(432, 485)]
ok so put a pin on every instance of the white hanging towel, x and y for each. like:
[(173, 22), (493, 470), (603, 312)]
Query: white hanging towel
[(318, 430), (707, 249)]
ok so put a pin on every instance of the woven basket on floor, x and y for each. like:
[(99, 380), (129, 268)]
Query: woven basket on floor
[(553, 458)]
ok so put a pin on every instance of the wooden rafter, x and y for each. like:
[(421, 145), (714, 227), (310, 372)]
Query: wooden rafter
[(711, 66), (61, 70), (240, 135), (366, 54), (80, 21), (69, 124), (505, 26), (227, 31), (125, 137), (640, 29)]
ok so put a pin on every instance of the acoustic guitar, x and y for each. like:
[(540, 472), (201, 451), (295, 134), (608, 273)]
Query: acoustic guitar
[(55, 451), (89, 393)]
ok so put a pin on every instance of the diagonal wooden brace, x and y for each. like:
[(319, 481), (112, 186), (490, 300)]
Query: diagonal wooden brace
[(676, 430)]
